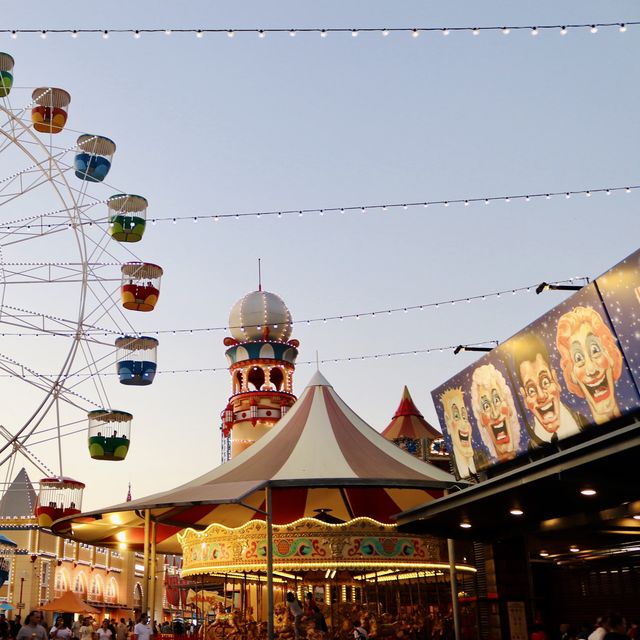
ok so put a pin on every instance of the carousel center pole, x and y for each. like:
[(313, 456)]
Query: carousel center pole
[(145, 579), (453, 580), (152, 589), (269, 564)]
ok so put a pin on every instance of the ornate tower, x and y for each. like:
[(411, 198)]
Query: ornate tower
[(261, 362)]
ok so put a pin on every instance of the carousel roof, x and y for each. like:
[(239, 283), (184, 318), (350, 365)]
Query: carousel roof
[(409, 422), (320, 459)]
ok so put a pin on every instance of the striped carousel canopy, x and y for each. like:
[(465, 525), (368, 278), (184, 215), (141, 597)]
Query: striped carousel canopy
[(320, 460), (409, 422)]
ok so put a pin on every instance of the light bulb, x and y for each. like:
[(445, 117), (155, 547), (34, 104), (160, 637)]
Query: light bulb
[(230, 33), (292, 33), (323, 33), (43, 35), (476, 31), (385, 32), (136, 34), (506, 31), (105, 35), (415, 33), (594, 29), (563, 31), (74, 34), (167, 32), (354, 33), (534, 31), (622, 28), (588, 194), (261, 34), (445, 32), (567, 195), (199, 33)]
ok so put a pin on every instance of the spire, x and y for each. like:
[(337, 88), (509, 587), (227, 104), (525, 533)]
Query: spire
[(406, 406), (129, 493), (409, 422), (259, 274), (19, 499)]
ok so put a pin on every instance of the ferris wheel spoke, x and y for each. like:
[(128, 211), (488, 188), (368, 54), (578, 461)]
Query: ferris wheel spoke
[(63, 323), (95, 377), (106, 309), (52, 272)]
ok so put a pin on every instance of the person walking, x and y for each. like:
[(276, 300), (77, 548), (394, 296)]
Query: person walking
[(142, 630), (60, 631), (121, 630), (32, 628)]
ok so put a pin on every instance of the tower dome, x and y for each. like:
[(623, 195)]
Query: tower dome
[(260, 315)]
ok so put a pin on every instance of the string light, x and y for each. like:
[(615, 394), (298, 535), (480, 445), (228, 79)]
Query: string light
[(594, 27), (356, 358), (23, 223), (94, 330)]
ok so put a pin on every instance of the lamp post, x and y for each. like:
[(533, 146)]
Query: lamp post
[(20, 603)]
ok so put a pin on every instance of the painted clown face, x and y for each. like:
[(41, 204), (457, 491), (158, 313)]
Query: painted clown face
[(457, 421), (592, 371), (541, 392), (494, 417)]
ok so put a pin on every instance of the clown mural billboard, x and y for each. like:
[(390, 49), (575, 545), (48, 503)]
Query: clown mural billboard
[(571, 371)]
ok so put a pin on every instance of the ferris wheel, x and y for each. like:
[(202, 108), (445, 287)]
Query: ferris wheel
[(70, 287)]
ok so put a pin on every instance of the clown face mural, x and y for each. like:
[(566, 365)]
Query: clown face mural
[(495, 413), (459, 428), (591, 361)]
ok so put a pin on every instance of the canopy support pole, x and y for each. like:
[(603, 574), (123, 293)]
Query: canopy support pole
[(269, 564), (145, 579), (152, 590), (453, 580)]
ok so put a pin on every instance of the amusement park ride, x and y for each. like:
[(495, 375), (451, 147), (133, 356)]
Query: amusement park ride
[(44, 172)]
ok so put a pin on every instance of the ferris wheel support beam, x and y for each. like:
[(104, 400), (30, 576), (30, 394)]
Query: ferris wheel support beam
[(29, 455)]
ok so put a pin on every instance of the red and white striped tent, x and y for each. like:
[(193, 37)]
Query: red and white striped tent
[(320, 459), (408, 422)]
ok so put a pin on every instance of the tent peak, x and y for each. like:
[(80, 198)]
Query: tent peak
[(318, 380)]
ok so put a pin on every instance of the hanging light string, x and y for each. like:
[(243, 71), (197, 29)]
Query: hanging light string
[(345, 316), (321, 211), (357, 358), (323, 32)]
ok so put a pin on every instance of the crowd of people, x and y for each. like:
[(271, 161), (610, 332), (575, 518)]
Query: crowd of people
[(35, 627), (613, 626)]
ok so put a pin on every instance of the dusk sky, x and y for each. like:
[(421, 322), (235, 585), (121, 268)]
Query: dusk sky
[(246, 124)]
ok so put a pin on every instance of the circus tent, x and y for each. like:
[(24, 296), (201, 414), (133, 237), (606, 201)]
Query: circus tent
[(320, 460), (408, 422)]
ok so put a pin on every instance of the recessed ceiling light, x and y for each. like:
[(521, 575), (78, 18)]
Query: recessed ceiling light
[(516, 512), (465, 525), (544, 553), (574, 549), (588, 491), (636, 517)]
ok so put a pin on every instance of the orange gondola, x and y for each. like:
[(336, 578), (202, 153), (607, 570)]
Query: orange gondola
[(49, 115), (140, 285)]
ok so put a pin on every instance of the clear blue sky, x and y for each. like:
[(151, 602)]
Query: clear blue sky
[(224, 125)]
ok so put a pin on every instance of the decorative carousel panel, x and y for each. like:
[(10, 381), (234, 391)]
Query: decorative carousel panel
[(305, 544)]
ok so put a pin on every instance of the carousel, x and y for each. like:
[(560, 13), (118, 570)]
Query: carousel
[(307, 509)]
